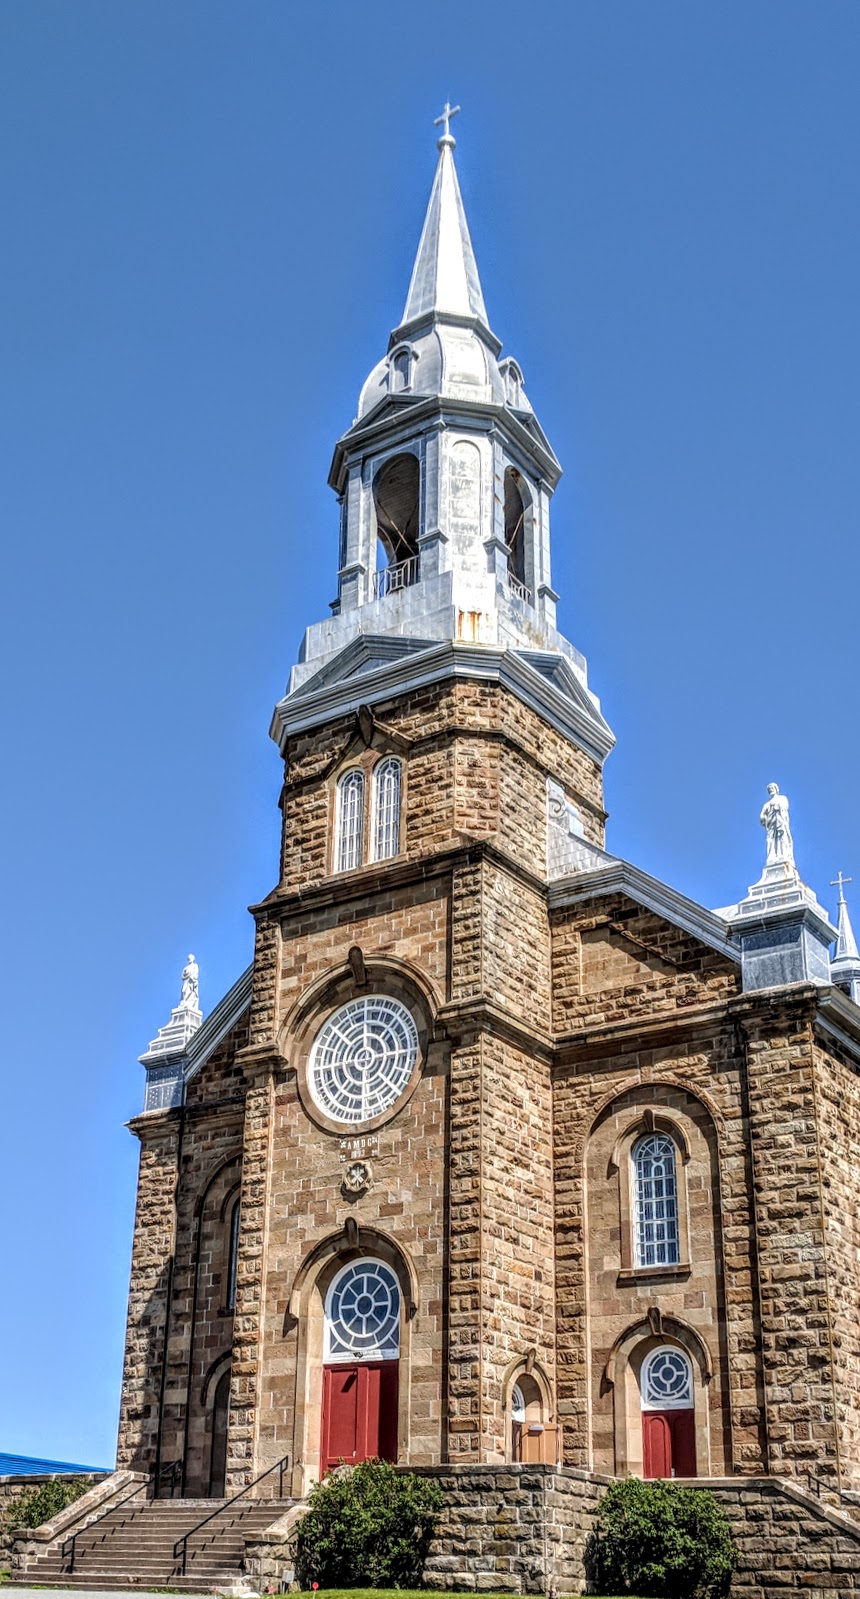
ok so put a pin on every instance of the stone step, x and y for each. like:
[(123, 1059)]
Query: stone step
[(103, 1584), (132, 1546)]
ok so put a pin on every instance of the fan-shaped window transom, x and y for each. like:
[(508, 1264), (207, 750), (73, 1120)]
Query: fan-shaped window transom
[(363, 1313), (667, 1380)]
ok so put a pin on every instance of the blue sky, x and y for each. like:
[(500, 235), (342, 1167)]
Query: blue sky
[(210, 212)]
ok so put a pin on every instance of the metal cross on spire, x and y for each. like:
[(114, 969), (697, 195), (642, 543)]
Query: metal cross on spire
[(445, 119), (839, 882)]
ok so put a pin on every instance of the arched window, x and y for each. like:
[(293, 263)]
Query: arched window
[(350, 820), (362, 1319), (397, 502), (386, 809), (232, 1257), (515, 518), (655, 1201), (219, 1422), (667, 1380)]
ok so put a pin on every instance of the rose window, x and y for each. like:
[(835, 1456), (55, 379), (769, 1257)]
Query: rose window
[(363, 1058), (363, 1313), (667, 1381)]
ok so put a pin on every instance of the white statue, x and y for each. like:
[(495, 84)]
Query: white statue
[(190, 996), (774, 817)]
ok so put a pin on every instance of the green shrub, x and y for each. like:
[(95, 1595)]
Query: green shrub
[(367, 1527), (656, 1538), (41, 1504)]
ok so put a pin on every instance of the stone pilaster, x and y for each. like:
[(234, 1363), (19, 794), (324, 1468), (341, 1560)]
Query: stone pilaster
[(246, 1378), (796, 1334), (150, 1291)]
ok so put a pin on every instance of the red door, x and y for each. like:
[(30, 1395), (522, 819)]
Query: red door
[(669, 1443), (359, 1413)]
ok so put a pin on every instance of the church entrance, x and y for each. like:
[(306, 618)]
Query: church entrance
[(668, 1416), (359, 1414), (361, 1366)]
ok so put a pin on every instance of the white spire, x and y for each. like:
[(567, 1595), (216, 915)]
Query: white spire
[(846, 943), (445, 275), (845, 965)]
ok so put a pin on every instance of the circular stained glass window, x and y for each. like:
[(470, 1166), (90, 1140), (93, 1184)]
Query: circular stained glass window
[(362, 1059), (667, 1381), (363, 1313)]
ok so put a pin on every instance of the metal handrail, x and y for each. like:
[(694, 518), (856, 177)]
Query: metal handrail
[(172, 1469), (520, 591), (181, 1544), (391, 578)]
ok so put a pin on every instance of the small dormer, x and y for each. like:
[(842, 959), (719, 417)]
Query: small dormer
[(514, 382), (401, 361)]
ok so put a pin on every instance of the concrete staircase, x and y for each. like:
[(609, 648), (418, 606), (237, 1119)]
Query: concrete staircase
[(132, 1546)]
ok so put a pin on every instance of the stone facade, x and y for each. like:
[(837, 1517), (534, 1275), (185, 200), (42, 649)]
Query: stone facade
[(556, 1029)]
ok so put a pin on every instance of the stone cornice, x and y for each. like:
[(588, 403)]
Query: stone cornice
[(839, 1017), (486, 1015), (393, 417), (365, 881), (575, 718), (758, 1007)]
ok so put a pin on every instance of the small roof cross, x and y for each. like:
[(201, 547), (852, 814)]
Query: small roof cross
[(445, 119), (839, 882)]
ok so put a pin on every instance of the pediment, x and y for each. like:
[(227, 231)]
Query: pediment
[(639, 892), (364, 654), (558, 671)]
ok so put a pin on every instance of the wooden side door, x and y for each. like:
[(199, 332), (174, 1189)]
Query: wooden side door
[(669, 1443)]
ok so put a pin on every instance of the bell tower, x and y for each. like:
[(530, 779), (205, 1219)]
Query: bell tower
[(445, 477)]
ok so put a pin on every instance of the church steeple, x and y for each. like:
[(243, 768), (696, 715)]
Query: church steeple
[(444, 481), (445, 279)]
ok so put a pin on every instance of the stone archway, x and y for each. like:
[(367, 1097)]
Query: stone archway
[(308, 1305)]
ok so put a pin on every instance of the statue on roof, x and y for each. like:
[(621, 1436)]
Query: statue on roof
[(774, 818), (190, 996)]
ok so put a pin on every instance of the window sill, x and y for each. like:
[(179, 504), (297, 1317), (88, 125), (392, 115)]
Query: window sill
[(636, 1274)]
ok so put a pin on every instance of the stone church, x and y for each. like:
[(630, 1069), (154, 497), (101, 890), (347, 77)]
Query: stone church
[(501, 1150)]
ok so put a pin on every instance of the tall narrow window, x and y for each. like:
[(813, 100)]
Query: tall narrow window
[(655, 1201), (350, 820), (386, 809), (232, 1258)]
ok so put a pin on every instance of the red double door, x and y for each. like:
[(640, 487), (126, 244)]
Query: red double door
[(359, 1413), (669, 1443)]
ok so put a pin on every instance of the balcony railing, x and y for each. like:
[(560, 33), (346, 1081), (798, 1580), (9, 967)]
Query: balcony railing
[(520, 591), (391, 578)]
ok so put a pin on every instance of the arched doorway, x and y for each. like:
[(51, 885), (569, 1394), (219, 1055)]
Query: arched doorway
[(527, 1428), (361, 1356), (668, 1414)]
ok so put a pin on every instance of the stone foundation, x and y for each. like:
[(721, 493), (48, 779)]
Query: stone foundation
[(523, 1529)]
